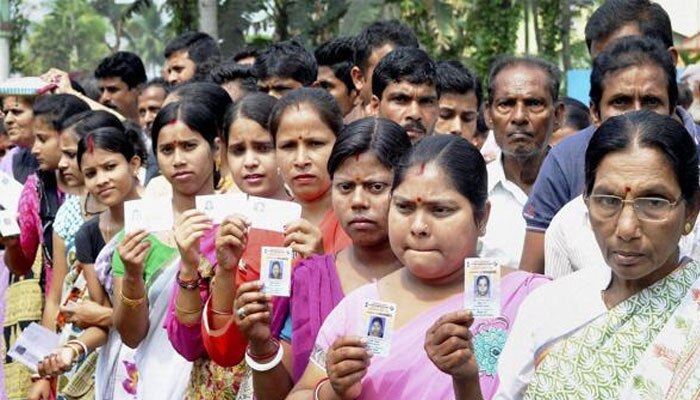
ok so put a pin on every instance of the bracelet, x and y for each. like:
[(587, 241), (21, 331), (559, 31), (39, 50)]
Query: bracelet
[(217, 312), (76, 353), (255, 366), (266, 355), (317, 390), (189, 284), (186, 312), (131, 303), (83, 346)]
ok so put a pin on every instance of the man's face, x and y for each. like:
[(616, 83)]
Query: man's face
[(179, 68), (115, 94), (598, 46), (277, 86), (414, 107), (337, 88), (522, 111), (150, 102), (641, 87), (374, 58), (457, 115)]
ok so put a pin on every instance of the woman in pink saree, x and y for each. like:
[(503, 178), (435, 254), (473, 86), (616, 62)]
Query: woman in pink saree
[(437, 350)]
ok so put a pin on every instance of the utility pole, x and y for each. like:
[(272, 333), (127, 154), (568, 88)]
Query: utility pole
[(5, 35)]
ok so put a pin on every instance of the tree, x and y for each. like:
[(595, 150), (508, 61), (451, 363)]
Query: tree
[(146, 35), (118, 15), (18, 60)]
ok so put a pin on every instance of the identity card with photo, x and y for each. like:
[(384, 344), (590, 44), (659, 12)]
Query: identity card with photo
[(8, 223), (482, 287), (219, 206), (378, 317), (276, 270), (270, 214), (35, 343), (149, 214), (11, 192)]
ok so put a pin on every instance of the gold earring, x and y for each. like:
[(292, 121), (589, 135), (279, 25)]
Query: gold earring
[(688, 228)]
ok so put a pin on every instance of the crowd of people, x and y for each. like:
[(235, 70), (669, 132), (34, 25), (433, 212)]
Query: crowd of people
[(404, 169)]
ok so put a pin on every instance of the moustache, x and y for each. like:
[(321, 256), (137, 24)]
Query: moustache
[(415, 126)]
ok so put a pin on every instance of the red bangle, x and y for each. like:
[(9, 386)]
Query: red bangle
[(266, 355), (317, 388), (189, 284)]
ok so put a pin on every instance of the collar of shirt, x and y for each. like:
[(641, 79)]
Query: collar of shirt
[(497, 180)]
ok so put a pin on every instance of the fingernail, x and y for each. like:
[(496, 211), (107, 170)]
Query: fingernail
[(363, 341)]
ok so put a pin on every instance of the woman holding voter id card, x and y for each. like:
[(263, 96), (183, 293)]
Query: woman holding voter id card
[(360, 166), (431, 348), (630, 331)]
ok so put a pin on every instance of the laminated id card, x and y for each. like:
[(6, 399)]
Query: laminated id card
[(276, 270), (482, 287), (149, 214), (378, 317)]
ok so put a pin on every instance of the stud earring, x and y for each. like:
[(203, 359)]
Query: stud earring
[(688, 228)]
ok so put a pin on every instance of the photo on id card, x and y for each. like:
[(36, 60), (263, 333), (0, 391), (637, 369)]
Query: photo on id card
[(482, 287), (276, 270), (378, 317)]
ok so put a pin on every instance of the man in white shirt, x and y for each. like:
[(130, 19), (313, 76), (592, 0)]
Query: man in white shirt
[(521, 110)]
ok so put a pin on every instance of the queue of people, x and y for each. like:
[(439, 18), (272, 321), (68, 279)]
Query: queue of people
[(447, 243)]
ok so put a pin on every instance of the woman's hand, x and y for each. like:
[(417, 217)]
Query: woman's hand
[(231, 241), (133, 251), (304, 238), (59, 78), (189, 229), (257, 314), (57, 363), (86, 314), (448, 344), (346, 364), (40, 390)]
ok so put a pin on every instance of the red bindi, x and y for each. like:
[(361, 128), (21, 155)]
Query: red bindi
[(419, 199), (91, 143), (627, 189)]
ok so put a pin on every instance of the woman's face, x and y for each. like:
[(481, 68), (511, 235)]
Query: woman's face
[(186, 159), (276, 270), (109, 176), (633, 248), (376, 329), (18, 120), (304, 144), (361, 193), (431, 225), (46, 148), (68, 164), (251, 159), (482, 286)]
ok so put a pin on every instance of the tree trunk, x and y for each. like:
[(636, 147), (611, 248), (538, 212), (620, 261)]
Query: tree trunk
[(526, 13), (536, 24), (566, 34), (208, 17)]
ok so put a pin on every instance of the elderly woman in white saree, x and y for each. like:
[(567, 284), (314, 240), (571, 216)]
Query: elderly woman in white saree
[(631, 331)]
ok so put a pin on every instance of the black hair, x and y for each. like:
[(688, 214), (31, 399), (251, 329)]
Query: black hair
[(213, 96), (159, 83), (288, 59), (459, 160), (454, 77), (56, 108), (197, 115), (126, 142), (404, 64), (124, 65), (227, 72), (482, 129), (337, 54), (245, 53), (255, 107), (379, 34), (576, 114), (198, 45), (646, 129), (89, 121), (685, 95), (386, 139), (320, 100), (505, 62), (629, 52), (651, 19)]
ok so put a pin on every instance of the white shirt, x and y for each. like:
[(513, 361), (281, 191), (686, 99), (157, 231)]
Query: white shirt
[(505, 230), (547, 314), (569, 243)]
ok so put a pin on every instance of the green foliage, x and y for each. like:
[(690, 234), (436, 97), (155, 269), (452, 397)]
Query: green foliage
[(493, 27), (71, 38), (184, 15), (147, 36), (18, 60)]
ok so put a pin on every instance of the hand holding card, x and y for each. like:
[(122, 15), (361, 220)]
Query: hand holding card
[(457, 359), (231, 241), (346, 363), (133, 250)]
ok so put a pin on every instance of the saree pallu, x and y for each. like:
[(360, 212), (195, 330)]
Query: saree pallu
[(644, 348)]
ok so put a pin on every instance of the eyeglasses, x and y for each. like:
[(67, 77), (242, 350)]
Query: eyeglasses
[(646, 208)]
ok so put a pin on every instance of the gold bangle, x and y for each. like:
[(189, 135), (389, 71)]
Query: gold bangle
[(187, 312), (76, 352), (131, 303)]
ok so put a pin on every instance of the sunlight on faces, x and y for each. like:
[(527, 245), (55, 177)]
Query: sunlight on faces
[(361, 193), (149, 103), (68, 164), (431, 225), (109, 176), (414, 107), (46, 147), (115, 94), (304, 144), (637, 88), (329, 82), (251, 159), (633, 248), (179, 68), (185, 159), (457, 115), (18, 120), (277, 86)]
